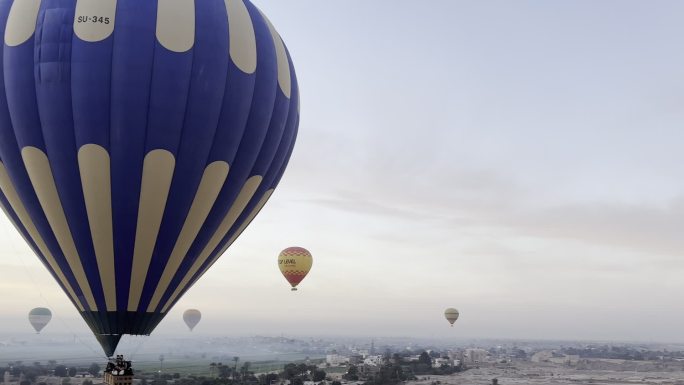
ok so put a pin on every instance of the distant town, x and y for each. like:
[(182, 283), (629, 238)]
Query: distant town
[(264, 360)]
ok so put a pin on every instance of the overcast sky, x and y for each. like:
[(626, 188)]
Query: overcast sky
[(520, 161)]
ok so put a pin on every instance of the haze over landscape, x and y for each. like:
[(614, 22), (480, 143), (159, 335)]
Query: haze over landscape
[(518, 160)]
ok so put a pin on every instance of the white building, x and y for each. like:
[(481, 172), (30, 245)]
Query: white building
[(373, 360), (336, 359), (439, 362), (474, 356)]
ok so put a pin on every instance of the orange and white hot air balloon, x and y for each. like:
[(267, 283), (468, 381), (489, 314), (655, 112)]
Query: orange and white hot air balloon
[(295, 263)]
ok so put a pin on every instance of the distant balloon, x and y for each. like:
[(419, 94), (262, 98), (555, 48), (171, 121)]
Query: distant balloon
[(295, 263), (119, 123), (192, 317), (451, 315), (39, 318)]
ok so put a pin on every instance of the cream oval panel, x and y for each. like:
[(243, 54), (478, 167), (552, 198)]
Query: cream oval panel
[(158, 168), (21, 22), (40, 173), (94, 19), (176, 24), (243, 50), (210, 186), (284, 80), (94, 166)]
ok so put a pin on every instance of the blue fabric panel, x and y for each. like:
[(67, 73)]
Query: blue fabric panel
[(53, 90), (237, 102), (90, 79), (291, 128), (274, 135), (169, 89), (20, 89), (279, 162), (133, 53), (19, 116), (207, 86), (271, 177), (168, 98), (254, 134)]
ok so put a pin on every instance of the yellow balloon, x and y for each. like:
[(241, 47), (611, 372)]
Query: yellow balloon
[(451, 315), (295, 263)]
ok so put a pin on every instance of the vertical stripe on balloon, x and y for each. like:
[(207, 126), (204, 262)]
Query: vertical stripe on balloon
[(93, 162), (40, 173), (21, 22), (243, 49), (233, 214), (210, 186), (284, 79), (176, 24), (133, 46), (13, 198), (156, 180)]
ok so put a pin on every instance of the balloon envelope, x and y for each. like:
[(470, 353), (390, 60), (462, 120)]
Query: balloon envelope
[(138, 139), (451, 315), (39, 318), (295, 263), (192, 317)]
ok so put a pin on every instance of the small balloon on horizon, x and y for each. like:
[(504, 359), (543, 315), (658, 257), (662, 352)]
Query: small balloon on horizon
[(192, 317), (39, 318), (451, 315)]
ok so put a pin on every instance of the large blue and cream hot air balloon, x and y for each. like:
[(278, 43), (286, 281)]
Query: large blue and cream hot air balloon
[(138, 139)]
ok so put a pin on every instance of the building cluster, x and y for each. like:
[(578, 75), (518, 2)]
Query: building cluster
[(473, 356), (555, 358), (367, 362), (8, 379), (77, 379)]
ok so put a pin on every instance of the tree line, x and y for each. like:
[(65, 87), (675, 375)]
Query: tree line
[(29, 373)]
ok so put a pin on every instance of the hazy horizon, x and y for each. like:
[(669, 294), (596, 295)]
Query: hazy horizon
[(186, 348)]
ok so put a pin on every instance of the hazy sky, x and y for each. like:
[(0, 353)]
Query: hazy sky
[(521, 161)]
